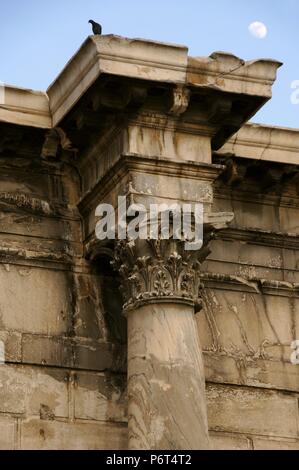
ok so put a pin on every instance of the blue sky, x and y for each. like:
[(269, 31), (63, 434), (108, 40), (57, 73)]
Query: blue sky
[(38, 37)]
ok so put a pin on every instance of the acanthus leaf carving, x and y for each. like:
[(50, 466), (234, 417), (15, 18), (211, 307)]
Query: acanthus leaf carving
[(163, 272)]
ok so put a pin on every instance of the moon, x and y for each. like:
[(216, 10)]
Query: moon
[(258, 30)]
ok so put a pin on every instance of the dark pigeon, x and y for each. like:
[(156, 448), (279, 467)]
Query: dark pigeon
[(96, 27)]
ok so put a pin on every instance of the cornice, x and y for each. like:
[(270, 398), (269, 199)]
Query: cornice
[(115, 55), (265, 143), (248, 196), (260, 237), (168, 64), (231, 74), (251, 285), (25, 107), (157, 62)]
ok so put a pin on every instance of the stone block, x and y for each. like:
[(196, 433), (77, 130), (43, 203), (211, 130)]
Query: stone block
[(7, 433), (221, 368), (27, 391), (72, 353), (270, 444), (100, 397), (47, 350), (60, 435), (252, 411), (222, 441), (35, 300), (12, 345), (248, 326)]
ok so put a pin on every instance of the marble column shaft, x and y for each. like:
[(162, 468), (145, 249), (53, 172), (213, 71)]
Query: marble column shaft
[(166, 380)]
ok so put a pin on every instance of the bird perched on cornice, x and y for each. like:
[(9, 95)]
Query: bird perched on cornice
[(96, 27)]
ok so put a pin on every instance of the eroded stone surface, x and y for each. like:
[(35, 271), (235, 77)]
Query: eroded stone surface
[(166, 388)]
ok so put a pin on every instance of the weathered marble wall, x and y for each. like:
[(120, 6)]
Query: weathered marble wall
[(56, 391), (63, 384), (251, 316)]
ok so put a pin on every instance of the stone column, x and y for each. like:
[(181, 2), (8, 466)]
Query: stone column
[(166, 386), (166, 381)]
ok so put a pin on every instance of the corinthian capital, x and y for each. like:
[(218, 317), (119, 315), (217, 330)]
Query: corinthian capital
[(155, 271)]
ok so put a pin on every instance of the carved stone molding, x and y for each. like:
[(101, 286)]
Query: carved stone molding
[(155, 271), (180, 100), (56, 139)]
